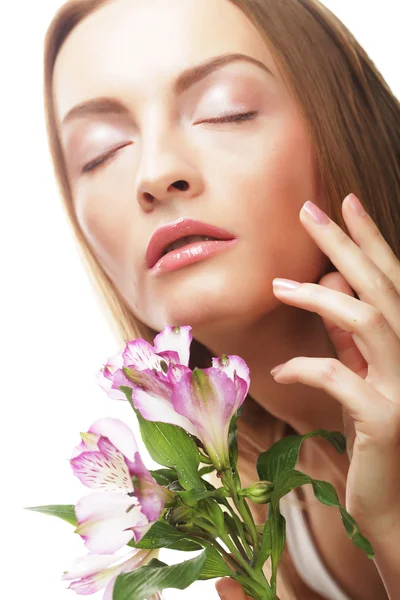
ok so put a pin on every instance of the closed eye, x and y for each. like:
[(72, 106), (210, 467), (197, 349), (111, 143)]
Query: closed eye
[(92, 165), (233, 118)]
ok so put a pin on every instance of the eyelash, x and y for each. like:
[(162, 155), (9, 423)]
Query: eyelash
[(237, 118)]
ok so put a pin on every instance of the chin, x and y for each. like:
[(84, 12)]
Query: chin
[(212, 306)]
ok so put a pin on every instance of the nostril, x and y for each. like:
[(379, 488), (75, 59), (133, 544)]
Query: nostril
[(181, 185)]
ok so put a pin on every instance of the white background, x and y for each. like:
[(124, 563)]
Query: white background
[(53, 335)]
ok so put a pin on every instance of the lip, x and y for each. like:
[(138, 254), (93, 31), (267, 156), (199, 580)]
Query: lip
[(167, 234)]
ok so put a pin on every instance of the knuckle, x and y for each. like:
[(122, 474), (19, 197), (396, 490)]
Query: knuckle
[(373, 319), (384, 285), (332, 369)]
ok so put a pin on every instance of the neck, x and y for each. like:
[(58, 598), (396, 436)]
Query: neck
[(282, 334)]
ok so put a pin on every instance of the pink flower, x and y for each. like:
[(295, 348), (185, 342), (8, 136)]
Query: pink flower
[(94, 572), (131, 501), (202, 401)]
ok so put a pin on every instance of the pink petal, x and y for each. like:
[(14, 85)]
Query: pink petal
[(175, 372), (119, 434), (175, 338), (156, 408), (151, 496), (105, 469), (231, 363), (88, 443), (208, 398), (140, 355), (104, 378), (118, 378)]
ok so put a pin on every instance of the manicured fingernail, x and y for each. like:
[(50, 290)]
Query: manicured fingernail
[(316, 214), (276, 369), (285, 285), (356, 206)]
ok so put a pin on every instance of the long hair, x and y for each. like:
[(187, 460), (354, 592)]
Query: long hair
[(354, 121)]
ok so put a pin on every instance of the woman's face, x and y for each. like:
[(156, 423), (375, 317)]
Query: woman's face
[(249, 177)]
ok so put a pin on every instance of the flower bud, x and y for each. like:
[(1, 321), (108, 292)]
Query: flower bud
[(180, 515), (259, 492)]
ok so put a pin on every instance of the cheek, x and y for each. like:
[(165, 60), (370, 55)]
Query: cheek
[(285, 177)]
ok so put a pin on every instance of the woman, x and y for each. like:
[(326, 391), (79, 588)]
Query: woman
[(286, 110)]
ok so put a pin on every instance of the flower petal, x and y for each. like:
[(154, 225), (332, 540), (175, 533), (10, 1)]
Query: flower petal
[(231, 363), (156, 408), (105, 469), (140, 355), (107, 521), (88, 565), (119, 434), (105, 379), (95, 571), (175, 338), (208, 398)]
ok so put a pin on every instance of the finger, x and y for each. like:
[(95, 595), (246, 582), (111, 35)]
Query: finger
[(229, 589), (342, 340), (371, 284), (373, 336), (367, 236), (375, 415)]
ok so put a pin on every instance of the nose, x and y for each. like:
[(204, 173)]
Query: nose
[(167, 173)]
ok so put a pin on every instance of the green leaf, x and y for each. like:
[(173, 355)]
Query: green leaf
[(215, 566), (66, 512), (164, 477), (277, 529), (354, 533), (185, 545), (206, 470), (192, 497), (266, 548), (170, 446), (162, 535), (325, 493), (155, 577), (284, 454), (287, 481)]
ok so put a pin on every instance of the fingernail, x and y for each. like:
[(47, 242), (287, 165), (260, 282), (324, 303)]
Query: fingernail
[(285, 285), (316, 214), (276, 369), (356, 206)]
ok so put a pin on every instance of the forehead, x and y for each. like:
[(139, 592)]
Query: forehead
[(142, 45)]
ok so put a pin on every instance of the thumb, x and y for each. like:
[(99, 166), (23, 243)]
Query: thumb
[(229, 589)]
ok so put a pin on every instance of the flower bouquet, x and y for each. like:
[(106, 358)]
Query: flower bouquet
[(188, 422)]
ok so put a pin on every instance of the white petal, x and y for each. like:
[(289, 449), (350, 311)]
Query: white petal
[(175, 338)]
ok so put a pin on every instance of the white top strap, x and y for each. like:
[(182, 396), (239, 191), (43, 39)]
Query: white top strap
[(304, 553)]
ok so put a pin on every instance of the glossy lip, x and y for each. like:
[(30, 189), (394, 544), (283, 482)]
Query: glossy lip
[(167, 234)]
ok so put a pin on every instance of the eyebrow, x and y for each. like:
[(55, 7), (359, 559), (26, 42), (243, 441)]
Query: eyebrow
[(185, 80)]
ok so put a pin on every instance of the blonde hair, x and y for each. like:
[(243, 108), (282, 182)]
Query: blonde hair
[(354, 120)]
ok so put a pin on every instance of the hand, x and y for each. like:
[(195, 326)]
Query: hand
[(229, 589), (365, 378)]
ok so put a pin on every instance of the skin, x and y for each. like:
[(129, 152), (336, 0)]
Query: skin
[(251, 178)]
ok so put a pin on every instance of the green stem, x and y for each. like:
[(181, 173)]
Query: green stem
[(248, 519), (257, 578), (238, 545), (241, 505), (230, 559), (239, 525)]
